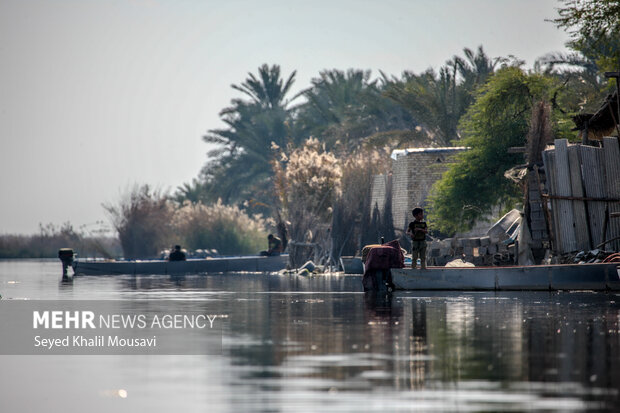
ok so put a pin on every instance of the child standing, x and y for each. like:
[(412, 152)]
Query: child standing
[(417, 230)]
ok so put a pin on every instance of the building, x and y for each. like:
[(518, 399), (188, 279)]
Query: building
[(414, 171)]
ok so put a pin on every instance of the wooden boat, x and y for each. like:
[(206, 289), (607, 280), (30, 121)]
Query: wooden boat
[(191, 266), (536, 277)]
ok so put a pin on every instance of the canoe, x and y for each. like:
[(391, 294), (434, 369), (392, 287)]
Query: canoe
[(191, 266), (536, 277)]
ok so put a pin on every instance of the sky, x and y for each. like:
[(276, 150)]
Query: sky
[(97, 96)]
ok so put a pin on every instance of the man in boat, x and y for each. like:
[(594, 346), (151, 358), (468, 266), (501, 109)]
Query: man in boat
[(177, 254), (275, 246), (417, 230)]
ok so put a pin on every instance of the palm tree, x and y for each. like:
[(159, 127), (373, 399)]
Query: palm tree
[(269, 90), (431, 99), (239, 167), (344, 107), (476, 67), (438, 100), (581, 78)]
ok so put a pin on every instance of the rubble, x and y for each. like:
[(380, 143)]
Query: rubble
[(494, 249), (586, 257), (499, 248)]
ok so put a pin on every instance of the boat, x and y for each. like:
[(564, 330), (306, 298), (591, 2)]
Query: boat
[(598, 277), (351, 265), (191, 266)]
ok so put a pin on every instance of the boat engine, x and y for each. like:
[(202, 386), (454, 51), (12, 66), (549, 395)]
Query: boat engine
[(66, 257)]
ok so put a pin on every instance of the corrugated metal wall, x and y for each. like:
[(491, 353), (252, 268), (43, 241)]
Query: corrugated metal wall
[(584, 193)]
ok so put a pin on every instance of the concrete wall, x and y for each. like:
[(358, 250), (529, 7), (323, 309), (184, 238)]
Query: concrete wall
[(414, 171)]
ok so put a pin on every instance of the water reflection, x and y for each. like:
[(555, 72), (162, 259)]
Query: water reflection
[(535, 347), (322, 344)]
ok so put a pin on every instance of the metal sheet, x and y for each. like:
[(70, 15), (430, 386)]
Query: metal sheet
[(594, 183), (563, 188), (612, 179)]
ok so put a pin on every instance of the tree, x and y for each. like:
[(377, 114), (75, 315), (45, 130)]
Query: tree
[(438, 100), (581, 85), (594, 26), (497, 120), (239, 167), (589, 18), (342, 108)]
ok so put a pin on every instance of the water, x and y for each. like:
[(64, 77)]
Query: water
[(302, 344)]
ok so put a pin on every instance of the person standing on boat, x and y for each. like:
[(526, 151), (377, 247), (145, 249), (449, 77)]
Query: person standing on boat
[(275, 246), (177, 254), (417, 230)]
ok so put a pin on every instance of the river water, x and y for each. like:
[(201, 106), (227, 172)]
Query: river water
[(319, 344)]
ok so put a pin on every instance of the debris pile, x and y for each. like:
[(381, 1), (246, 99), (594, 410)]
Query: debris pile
[(497, 248), (588, 257)]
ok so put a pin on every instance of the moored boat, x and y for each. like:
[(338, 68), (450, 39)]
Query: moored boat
[(597, 277), (352, 265), (191, 266)]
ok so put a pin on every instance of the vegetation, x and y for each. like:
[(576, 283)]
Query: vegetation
[(594, 26), (496, 121), (473, 100), (239, 168), (325, 196), (308, 160), (225, 228), (148, 221), (342, 109), (143, 220), (499, 117), (438, 100), (50, 239), (308, 180)]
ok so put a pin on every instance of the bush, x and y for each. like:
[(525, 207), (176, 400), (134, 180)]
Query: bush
[(225, 228), (50, 239), (143, 220)]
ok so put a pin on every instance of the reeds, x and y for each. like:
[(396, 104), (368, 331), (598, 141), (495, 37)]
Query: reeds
[(50, 239), (223, 227), (147, 221)]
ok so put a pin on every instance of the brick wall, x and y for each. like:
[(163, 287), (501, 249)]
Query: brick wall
[(414, 172)]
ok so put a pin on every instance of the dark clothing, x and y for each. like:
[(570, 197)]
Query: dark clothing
[(275, 247), (418, 243), (417, 235), (418, 250), (269, 253), (177, 255)]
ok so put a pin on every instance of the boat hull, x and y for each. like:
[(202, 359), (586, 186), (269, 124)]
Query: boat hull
[(536, 277), (352, 265), (211, 265)]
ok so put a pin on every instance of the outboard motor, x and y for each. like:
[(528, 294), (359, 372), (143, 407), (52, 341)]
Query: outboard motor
[(66, 257)]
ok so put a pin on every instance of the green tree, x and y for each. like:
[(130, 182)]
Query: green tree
[(580, 86), (239, 167), (497, 120), (438, 100), (342, 108), (594, 27)]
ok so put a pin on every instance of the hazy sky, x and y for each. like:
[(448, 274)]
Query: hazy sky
[(98, 95)]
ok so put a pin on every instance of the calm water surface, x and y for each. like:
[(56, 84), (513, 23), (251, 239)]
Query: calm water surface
[(319, 344)]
